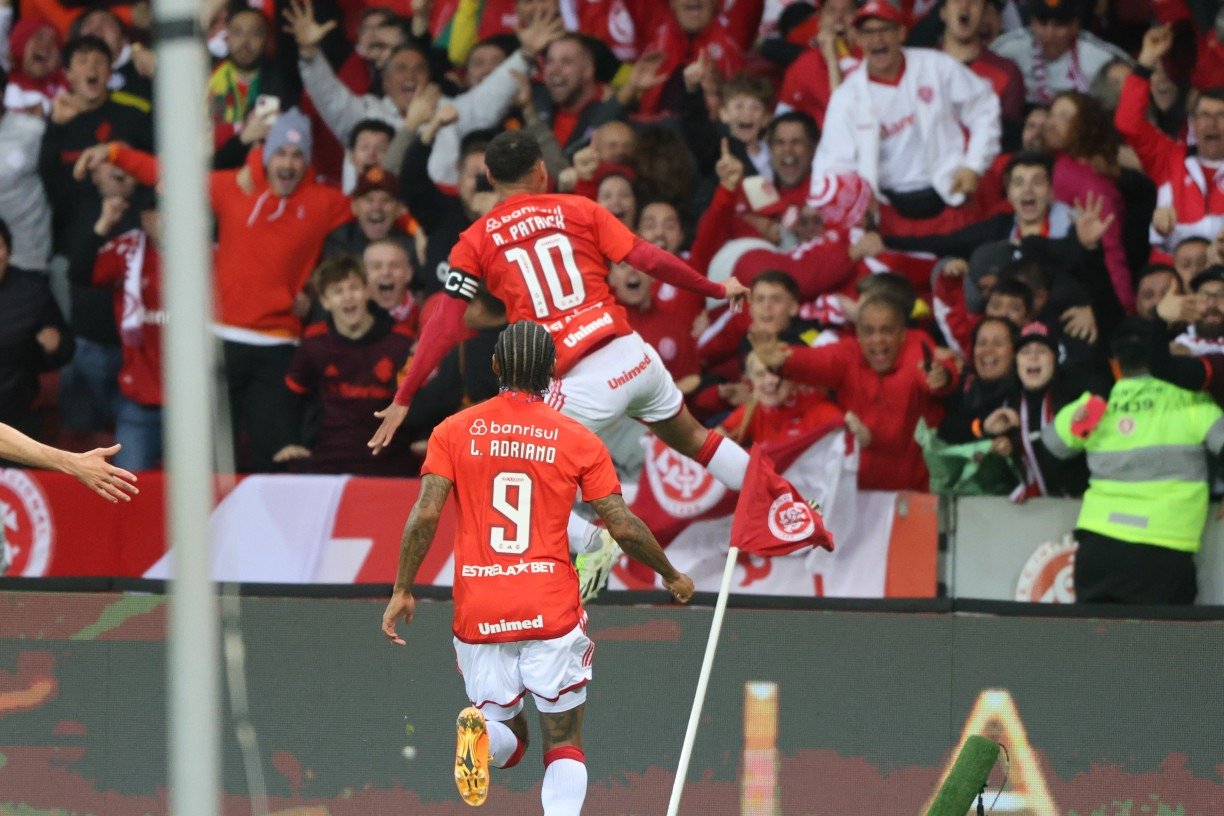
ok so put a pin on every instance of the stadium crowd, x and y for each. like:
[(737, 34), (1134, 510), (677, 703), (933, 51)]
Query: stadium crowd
[(947, 212)]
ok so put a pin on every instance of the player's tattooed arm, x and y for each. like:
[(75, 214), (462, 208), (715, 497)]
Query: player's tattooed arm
[(640, 544), (420, 529), (562, 728)]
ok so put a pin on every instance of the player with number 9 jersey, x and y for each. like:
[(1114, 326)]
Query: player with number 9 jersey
[(546, 257), (517, 466)]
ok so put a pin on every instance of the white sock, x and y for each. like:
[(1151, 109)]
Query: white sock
[(728, 464), (565, 784), (582, 538), (502, 743)]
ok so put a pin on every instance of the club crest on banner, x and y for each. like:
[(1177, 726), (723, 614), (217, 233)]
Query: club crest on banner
[(26, 522), (1049, 574), (790, 520), (681, 486)]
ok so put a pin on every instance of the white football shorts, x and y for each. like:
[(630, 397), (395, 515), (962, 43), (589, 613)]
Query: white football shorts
[(496, 676), (625, 377)]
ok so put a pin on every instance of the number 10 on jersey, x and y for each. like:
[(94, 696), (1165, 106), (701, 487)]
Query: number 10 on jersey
[(512, 498), (545, 264)]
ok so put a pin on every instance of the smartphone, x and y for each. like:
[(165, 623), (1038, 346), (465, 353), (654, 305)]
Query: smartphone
[(760, 192), (267, 107)]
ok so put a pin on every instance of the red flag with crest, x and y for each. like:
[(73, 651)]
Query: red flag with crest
[(790, 523)]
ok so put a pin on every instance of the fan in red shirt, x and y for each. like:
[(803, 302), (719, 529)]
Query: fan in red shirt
[(546, 257), (516, 466)]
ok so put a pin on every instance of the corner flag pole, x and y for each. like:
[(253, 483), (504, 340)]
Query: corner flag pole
[(184, 144), (703, 681)]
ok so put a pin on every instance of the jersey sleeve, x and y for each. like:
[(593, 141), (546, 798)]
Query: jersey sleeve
[(438, 458), (613, 238), (302, 378), (598, 480), (462, 280)]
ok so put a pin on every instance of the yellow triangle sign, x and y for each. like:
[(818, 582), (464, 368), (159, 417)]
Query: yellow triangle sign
[(995, 717)]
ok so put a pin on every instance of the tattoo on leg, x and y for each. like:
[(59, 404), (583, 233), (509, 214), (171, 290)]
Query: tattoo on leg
[(563, 728)]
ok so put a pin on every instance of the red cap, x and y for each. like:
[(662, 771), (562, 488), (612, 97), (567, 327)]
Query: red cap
[(376, 178), (880, 10)]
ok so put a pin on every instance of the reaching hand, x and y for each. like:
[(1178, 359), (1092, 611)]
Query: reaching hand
[(423, 107), (1164, 219), (1080, 323), (301, 23), (695, 72), (535, 36), (965, 181), (392, 416), (861, 432), (954, 268), (586, 162), (870, 245), (730, 170), (1001, 420), (646, 74), (1215, 253), (90, 158), (771, 351), (255, 128), (49, 339), (734, 394), (937, 377), (401, 606), (113, 208), (64, 107), (1156, 43), (1089, 225), (92, 470), (1174, 308), (144, 60), (522, 96), (681, 587), (737, 293), (289, 453)]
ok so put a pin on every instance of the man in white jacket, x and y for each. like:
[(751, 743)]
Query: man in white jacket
[(918, 126), (405, 76)]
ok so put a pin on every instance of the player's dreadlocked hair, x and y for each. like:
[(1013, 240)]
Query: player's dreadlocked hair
[(525, 355), (511, 155)]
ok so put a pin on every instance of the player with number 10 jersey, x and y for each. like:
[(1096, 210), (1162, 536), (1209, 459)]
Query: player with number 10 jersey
[(546, 257)]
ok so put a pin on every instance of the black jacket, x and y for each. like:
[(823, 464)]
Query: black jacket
[(26, 308)]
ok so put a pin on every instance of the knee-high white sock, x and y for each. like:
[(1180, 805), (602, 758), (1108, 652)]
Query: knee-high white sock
[(581, 534), (565, 781), (505, 749), (726, 461)]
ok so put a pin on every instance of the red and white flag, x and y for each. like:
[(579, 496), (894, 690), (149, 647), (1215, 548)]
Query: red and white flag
[(790, 524)]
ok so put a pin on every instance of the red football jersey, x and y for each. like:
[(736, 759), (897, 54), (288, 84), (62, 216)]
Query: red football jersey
[(546, 257), (516, 465)]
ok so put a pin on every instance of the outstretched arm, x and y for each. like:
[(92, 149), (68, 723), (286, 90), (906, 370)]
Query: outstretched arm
[(443, 332), (635, 538), (666, 267), (90, 468), (418, 536)]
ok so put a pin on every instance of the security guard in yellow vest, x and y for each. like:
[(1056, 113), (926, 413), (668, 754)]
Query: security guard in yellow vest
[(1146, 504)]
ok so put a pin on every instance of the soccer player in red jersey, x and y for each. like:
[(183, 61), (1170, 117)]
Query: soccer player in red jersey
[(547, 257), (516, 465)]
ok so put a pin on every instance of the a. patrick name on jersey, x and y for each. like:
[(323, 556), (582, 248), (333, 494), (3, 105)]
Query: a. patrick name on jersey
[(523, 222), (497, 439)]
